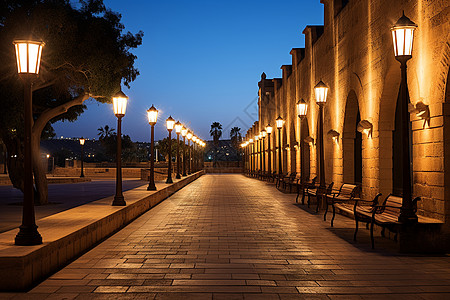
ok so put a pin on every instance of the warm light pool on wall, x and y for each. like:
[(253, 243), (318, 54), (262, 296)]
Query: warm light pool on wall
[(334, 135), (422, 111), (310, 141), (364, 126)]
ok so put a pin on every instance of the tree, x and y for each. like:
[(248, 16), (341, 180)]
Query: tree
[(86, 56), (235, 135), (216, 133), (105, 132), (163, 148)]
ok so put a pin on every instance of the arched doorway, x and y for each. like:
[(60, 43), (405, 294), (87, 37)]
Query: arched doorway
[(305, 148), (292, 144), (352, 141), (446, 111)]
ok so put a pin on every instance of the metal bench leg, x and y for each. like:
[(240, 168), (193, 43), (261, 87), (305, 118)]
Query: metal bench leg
[(317, 206), (334, 214), (356, 228), (303, 197), (309, 199), (371, 235), (326, 209)]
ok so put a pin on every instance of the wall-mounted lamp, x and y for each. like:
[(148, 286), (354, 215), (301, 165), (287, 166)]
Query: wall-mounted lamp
[(296, 147), (287, 147), (366, 127), (309, 140), (334, 135), (422, 111)]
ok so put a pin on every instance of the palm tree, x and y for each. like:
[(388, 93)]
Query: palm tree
[(235, 135), (216, 133), (105, 132)]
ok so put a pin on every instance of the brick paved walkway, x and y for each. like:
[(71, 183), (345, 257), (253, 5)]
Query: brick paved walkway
[(231, 237)]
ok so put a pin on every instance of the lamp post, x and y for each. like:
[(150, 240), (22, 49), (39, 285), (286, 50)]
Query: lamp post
[(120, 106), (189, 137), (28, 56), (257, 166), (252, 159), (302, 110), (403, 36), (178, 128), (321, 91), (280, 123), (184, 133), (269, 130), (263, 136), (194, 153), (82, 140), (170, 123), (152, 115)]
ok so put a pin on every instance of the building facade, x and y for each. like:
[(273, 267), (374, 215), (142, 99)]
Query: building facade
[(352, 53)]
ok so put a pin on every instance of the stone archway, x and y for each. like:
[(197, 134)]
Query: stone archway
[(446, 112), (305, 148), (352, 141), (292, 144)]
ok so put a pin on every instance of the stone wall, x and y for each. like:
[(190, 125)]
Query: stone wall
[(353, 55)]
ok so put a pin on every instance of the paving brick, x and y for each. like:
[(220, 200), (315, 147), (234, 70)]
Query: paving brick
[(231, 237)]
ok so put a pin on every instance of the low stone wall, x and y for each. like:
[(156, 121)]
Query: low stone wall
[(223, 170), (97, 172), (70, 233)]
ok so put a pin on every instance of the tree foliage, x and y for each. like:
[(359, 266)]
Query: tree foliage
[(235, 135), (86, 56)]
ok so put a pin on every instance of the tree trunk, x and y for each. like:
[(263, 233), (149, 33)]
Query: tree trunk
[(15, 161), (40, 178)]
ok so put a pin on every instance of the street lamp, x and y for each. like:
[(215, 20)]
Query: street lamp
[(252, 158), (82, 140), (403, 36), (152, 115), (257, 146), (302, 110), (120, 105), (178, 128), (28, 56), (170, 123), (280, 122), (269, 130), (263, 137), (194, 154), (189, 137), (321, 91), (184, 133)]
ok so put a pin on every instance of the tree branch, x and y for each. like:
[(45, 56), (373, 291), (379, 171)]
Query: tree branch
[(49, 114)]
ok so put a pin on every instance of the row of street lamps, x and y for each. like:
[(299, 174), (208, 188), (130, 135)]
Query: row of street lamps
[(403, 36), (28, 56)]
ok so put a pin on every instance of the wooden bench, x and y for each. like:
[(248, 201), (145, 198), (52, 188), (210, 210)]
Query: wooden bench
[(288, 180), (316, 192), (345, 195), (301, 187), (386, 215), (280, 179)]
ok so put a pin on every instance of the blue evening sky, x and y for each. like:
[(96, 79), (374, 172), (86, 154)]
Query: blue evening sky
[(200, 62)]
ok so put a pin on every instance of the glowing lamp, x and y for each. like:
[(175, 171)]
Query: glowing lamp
[(321, 91), (263, 134), (189, 135), (28, 56), (184, 131), (279, 122), (152, 114), (269, 129), (120, 104), (302, 108), (178, 127), (170, 123), (194, 138), (403, 36), (82, 140)]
